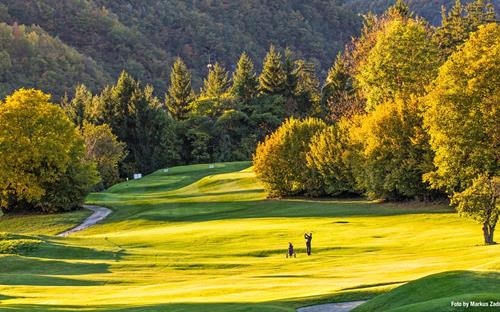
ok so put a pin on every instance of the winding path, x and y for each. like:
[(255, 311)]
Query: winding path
[(332, 307), (99, 214)]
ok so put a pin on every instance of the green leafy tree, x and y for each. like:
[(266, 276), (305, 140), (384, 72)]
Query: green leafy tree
[(462, 115), (402, 62), (462, 121), (273, 78), (480, 202), (41, 156), (103, 148), (280, 161), (180, 92), (245, 81)]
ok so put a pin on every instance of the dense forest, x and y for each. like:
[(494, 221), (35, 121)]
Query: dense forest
[(92, 41)]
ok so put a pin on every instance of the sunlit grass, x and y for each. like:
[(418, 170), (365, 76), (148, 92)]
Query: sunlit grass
[(197, 238)]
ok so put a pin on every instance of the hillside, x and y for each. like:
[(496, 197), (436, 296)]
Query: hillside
[(144, 37), (428, 9)]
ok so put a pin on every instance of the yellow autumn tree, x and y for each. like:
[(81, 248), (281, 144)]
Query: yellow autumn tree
[(280, 161), (462, 120), (41, 156)]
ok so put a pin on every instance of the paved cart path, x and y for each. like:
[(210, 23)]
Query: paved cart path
[(99, 214), (332, 307)]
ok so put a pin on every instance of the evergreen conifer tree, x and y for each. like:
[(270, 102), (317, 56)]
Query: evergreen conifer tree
[(78, 108), (272, 79), (217, 81), (244, 78), (180, 91), (291, 72)]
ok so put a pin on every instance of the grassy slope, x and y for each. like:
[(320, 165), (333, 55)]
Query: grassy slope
[(197, 238), (436, 292)]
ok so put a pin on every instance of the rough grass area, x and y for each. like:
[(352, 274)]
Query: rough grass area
[(48, 224), (206, 239)]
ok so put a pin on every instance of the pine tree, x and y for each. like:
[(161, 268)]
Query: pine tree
[(457, 24), (244, 79), (137, 119), (400, 8), (180, 92), (272, 80), (78, 108), (217, 82), (291, 72), (338, 96)]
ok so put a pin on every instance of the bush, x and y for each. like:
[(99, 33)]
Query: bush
[(280, 161), (329, 156)]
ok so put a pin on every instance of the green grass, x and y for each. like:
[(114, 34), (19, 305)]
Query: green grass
[(201, 239), (438, 291)]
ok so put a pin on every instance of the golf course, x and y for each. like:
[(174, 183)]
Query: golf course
[(206, 238)]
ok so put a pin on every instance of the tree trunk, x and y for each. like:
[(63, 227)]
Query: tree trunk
[(488, 232)]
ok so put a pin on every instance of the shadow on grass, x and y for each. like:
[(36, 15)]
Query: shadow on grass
[(210, 211), (270, 306), (19, 270), (44, 280), (52, 249)]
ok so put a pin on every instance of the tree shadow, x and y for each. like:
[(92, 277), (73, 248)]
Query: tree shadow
[(268, 306), (19, 270)]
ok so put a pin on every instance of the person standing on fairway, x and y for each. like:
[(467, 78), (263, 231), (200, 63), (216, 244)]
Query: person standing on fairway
[(308, 238), (291, 252)]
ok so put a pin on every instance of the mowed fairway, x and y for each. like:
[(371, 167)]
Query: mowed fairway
[(203, 239)]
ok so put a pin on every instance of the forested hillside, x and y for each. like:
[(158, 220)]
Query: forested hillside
[(143, 37), (429, 9)]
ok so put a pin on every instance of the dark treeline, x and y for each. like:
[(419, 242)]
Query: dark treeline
[(224, 121)]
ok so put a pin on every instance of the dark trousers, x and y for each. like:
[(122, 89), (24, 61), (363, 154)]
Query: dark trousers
[(308, 248)]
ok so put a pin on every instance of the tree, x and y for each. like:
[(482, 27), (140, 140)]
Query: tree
[(41, 156), (280, 161), (402, 62), (291, 74), (392, 151), (338, 95), (103, 148), (180, 92), (400, 9), (78, 108), (217, 82), (329, 156), (245, 81), (462, 121), (459, 22), (138, 119), (462, 114), (306, 89), (480, 202), (273, 78)]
